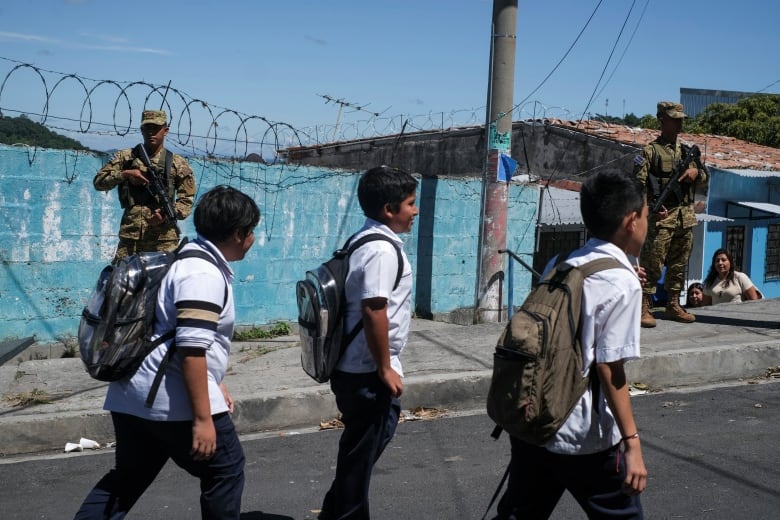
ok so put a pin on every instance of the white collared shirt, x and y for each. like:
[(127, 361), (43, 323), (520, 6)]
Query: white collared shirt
[(189, 281), (610, 331), (372, 272)]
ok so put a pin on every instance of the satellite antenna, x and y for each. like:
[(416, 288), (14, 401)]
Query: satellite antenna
[(341, 103), (165, 95)]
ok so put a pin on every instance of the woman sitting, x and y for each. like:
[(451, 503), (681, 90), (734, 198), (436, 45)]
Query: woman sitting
[(723, 284)]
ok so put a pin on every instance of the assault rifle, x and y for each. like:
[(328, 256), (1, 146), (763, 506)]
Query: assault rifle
[(691, 154), (156, 187)]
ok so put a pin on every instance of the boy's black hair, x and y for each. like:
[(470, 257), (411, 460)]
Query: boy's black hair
[(223, 210), (384, 185), (607, 197)]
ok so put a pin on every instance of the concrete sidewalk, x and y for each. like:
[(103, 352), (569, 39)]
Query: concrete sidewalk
[(447, 366)]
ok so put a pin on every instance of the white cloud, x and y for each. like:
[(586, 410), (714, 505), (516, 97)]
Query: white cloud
[(34, 38), (108, 38)]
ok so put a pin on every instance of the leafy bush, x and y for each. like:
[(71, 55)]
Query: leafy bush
[(280, 328)]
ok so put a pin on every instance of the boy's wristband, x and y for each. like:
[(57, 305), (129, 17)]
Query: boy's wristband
[(627, 437)]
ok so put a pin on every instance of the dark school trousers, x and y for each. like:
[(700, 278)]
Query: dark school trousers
[(142, 449), (370, 416), (538, 477)]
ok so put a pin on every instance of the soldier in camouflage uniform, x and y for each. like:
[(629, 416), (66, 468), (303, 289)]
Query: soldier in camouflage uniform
[(670, 231), (145, 225)]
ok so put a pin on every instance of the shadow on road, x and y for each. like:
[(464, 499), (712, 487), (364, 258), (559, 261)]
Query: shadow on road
[(259, 515)]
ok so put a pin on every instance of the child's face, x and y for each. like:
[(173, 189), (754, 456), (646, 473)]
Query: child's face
[(402, 220), (696, 296), (639, 233)]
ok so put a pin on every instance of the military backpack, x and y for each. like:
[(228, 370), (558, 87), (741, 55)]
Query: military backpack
[(537, 366)]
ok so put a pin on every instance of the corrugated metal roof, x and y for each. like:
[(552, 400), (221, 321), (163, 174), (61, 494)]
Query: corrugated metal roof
[(696, 99), (760, 206), (756, 174), (562, 207), (705, 217), (559, 207)]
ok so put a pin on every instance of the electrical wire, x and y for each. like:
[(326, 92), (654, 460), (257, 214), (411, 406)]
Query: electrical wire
[(562, 58), (631, 39), (604, 70)]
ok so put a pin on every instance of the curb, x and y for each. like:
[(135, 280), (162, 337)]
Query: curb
[(459, 391)]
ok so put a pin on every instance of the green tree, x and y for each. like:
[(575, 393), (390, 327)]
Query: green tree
[(631, 119), (20, 130), (649, 121), (755, 119)]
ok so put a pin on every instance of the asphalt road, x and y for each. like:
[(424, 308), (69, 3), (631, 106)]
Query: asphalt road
[(711, 454)]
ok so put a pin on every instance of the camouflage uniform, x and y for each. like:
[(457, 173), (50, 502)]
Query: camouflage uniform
[(668, 239), (135, 233)]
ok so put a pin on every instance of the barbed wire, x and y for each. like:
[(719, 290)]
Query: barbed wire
[(223, 131), (209, 131), (247, 145), (205, 129)]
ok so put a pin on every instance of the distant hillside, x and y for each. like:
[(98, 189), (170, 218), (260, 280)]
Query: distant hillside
[(20, 130)]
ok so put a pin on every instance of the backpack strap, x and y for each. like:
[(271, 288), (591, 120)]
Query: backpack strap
[(360, 242), (560, 258), (500, 484), (171, 334), (590, 268), (168, 176), (600, 264)]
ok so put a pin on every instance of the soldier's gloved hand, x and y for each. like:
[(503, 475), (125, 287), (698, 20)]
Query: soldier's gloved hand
[(135, 177)]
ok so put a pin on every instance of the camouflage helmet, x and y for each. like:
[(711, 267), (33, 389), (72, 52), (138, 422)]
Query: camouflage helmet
[(671, 109), (154, 117)]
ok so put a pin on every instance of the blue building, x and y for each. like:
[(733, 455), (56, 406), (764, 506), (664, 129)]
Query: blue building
[(739, 210), (748, 202)]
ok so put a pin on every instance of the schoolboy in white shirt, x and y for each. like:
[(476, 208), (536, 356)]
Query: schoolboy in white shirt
[(596, 454), (368, 379)]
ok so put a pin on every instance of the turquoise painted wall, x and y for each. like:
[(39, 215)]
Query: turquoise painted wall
[(57, 233)]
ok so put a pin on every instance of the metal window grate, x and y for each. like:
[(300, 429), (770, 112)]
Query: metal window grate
[(772, 260), (735, 244), (555, 242)]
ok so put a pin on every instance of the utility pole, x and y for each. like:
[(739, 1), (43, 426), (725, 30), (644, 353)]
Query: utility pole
[(498, 126)]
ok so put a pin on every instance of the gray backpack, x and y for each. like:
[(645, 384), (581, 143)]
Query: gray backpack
[(118, 321), (322, 309)]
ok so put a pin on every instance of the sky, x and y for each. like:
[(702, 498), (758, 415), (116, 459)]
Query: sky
[(425, 61)]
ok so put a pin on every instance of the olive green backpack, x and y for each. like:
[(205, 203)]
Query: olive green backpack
[(537, 366)]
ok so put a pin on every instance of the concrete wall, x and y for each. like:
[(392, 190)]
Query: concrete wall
[(57, 233), (551, 152)]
